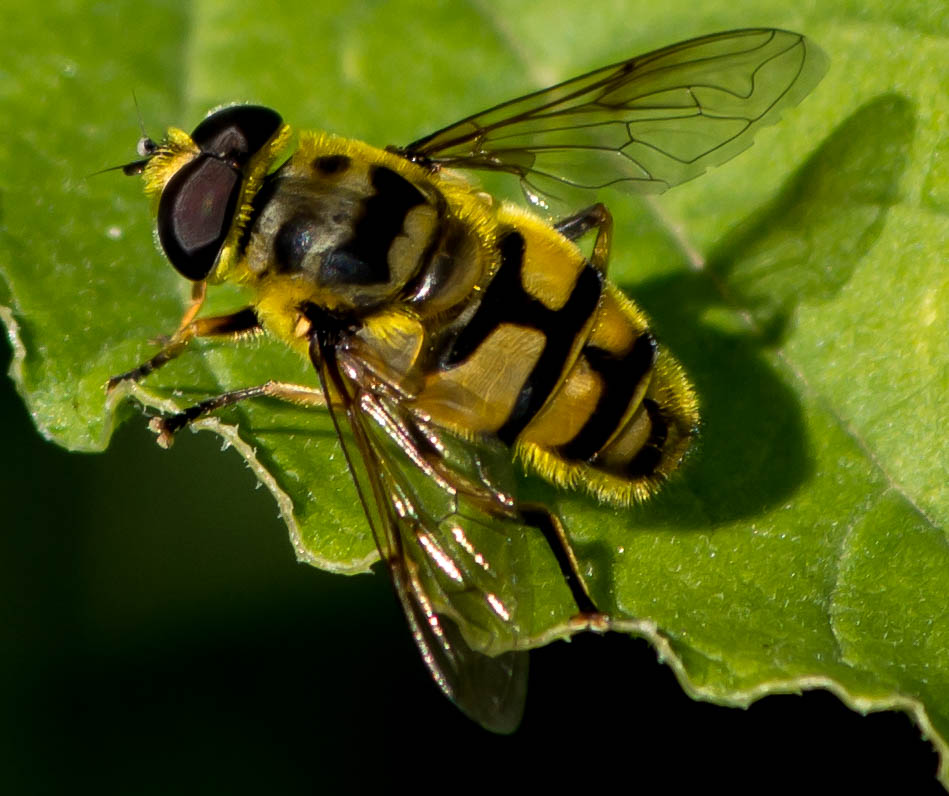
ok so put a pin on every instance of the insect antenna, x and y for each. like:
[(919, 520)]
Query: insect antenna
[(146, 148)]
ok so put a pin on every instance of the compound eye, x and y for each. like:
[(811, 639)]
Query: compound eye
[(237, 133), (195, 213)]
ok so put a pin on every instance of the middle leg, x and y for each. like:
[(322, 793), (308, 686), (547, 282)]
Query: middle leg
[(166, 427)]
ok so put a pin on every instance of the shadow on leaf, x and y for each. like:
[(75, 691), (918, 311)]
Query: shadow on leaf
[(806, 243), (753, 450)]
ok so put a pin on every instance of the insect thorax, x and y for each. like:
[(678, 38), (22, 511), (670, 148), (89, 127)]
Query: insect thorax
[(353, 235)]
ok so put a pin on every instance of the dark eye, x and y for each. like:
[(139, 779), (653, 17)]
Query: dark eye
[(237, 133), (195, 214), (197, 206)]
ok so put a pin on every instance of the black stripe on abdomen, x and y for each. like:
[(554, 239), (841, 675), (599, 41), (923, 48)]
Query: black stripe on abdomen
[(506, 301), (621, 376), (649, 457)]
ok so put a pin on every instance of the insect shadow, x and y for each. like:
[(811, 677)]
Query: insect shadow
[(803, 247)]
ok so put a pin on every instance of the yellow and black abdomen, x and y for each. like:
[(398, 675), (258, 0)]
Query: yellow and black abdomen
[(623, 416), (557, 363)]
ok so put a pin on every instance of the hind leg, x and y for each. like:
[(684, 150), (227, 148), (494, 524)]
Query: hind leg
[(594, 217)]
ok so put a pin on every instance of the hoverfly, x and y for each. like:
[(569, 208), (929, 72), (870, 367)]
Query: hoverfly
[(450, 331)]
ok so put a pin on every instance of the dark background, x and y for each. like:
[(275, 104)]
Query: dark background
[(159, 637)]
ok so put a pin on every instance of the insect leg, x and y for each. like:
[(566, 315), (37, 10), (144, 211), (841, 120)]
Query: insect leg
[(594, 217), (199, 291), (549, 525), (233, 326), (299, 394)]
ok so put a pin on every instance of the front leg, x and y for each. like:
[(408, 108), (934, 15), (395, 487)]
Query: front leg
[(228, 327)]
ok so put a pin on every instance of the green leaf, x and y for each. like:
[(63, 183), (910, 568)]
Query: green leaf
[(803, 286)]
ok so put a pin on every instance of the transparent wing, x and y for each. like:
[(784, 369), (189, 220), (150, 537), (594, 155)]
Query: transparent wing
[(447, 537), (644, 124)]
